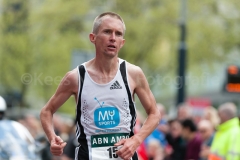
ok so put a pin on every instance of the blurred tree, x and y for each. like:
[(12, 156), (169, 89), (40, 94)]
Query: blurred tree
[(15, 48), (151, 30), (213, 31), (213, 41), (57, 27)]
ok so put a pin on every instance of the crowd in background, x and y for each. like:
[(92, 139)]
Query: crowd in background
[(215, 136), (184, 137), (64, 127)]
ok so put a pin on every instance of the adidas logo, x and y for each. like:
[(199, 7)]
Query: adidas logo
[(115, 85)]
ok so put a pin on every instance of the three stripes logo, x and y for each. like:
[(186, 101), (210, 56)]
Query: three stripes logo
[(115, 85)]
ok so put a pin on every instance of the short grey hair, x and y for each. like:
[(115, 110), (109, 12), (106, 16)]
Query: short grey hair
[(229, 110), (98, 20)]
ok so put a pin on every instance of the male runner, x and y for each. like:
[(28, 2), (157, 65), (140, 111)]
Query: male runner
[(104, 89)]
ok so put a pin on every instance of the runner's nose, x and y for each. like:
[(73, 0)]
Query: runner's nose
[(113, 37)]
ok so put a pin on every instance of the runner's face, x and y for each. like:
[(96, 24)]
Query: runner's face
[(109, 39)]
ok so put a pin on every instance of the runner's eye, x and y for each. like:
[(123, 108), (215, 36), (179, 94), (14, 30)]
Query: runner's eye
[(107, 31), (119, 34)]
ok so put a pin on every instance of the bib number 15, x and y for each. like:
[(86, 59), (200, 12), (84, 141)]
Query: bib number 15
[(112, 152)]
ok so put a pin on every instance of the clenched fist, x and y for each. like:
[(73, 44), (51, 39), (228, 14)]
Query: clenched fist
[(57, 146)]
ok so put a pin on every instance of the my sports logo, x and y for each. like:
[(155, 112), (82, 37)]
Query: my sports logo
[(106, 117)]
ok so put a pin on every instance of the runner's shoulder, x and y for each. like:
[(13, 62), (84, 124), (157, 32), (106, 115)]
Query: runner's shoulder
[(71, 77), (134, 71)]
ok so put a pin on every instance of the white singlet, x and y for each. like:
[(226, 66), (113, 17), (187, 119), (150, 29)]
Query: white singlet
[(105, 115)]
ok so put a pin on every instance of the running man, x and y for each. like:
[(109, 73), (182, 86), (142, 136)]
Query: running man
[(104, 90)]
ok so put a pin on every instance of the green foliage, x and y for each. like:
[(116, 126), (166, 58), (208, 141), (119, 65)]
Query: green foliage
[(15, 49), (55, 33)]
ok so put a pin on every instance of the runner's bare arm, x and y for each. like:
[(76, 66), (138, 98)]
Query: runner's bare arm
[(139, 85), (149, 103), (67, 87)]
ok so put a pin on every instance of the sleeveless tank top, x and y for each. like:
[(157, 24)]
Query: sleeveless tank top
[(105, 114)]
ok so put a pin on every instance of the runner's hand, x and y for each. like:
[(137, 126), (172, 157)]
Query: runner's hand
[(57, 146), (128, 148)]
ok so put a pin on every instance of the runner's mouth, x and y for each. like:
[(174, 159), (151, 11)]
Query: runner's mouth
[(111, 46)]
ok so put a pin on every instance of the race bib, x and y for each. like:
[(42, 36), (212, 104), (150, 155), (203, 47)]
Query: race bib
[(103, 146)]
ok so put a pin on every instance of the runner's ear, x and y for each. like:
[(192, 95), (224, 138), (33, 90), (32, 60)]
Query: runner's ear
[(122, 44), (92, 37)]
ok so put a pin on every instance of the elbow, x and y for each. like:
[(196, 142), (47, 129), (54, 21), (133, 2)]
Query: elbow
[(156, 117), (44, 113)]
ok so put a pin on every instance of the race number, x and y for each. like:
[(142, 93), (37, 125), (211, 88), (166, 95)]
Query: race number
[(112, 152), (103, 146)]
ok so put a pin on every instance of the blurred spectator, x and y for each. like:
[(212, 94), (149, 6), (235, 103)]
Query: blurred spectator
[(142, 152), (162, 111), (3, 107), (72, 143), (155, 150), (206, 130), (66, 131), (44, 148), (176, 147), (16, 143), (69, 150), (33, 125), (163, 126), (63, 128), (193, 139), (211, 114), (226, 143), (58, 124), (184, 112), (239, 119)]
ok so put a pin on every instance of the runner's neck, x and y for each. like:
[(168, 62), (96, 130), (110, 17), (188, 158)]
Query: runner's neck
[(106, 66)]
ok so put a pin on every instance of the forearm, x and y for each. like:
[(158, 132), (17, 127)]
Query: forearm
[(149, 125), (46, 117)]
